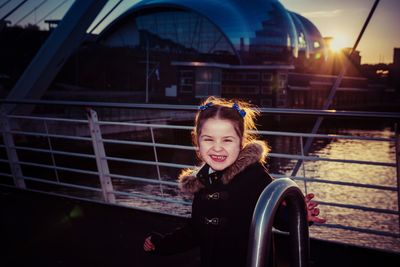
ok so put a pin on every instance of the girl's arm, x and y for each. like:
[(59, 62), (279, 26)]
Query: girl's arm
[(179, 240)]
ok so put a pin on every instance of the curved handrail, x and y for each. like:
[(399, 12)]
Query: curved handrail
[(263, 218)]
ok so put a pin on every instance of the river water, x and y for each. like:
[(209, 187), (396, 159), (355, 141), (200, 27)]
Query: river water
[(356, 173)]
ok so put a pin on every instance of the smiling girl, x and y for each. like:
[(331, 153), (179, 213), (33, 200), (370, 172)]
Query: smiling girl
[(226, 187)]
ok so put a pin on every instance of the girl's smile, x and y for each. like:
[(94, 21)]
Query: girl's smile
[(218, 158), (219, 144)]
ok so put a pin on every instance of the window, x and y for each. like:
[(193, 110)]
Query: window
[(267, 76), (208, 82), (186, 81)]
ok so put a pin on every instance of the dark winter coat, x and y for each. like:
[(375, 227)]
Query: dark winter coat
[(222, 210)]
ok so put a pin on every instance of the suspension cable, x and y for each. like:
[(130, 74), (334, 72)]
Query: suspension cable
[(30, 12), (106, 15), (13, 10), (5, 3), (51, 12)]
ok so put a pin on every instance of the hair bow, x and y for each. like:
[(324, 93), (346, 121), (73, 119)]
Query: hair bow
[(242, 113), (206, 106)]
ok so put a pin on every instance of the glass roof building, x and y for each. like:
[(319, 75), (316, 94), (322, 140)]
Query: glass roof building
[(182, 50), (254, 32)]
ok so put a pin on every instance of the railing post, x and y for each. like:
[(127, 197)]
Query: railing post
[(53, 160), (156, 159), (263, 218), (12, 155), (304, 165), (397, 137), (101, 161)]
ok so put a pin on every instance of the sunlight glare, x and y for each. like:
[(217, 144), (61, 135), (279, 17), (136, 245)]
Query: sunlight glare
[(338, 43)]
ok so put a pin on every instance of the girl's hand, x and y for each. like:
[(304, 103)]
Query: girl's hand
[(148, 245), (312, 210)]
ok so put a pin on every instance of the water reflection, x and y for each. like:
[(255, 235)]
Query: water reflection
[(355, 173)]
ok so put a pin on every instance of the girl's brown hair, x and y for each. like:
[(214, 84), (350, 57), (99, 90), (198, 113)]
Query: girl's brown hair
[(222, 109)]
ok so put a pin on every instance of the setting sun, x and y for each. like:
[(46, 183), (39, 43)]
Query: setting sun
[(338, 43)]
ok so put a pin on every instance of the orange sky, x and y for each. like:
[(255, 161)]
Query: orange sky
[(344, 19)]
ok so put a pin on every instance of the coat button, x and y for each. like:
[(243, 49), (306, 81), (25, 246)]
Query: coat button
[(212, 221), (213, 196)]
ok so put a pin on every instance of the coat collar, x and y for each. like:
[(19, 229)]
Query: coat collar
[(256, 151)]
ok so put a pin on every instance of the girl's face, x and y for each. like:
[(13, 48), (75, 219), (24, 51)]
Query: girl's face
[(219, 144)]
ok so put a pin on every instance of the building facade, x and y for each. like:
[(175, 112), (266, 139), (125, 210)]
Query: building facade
[(179, 51), (193, 49)]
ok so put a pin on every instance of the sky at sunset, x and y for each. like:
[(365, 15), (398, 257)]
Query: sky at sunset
[(341, 19)]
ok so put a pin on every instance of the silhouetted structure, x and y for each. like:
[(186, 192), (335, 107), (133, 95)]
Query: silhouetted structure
[(396, 69)]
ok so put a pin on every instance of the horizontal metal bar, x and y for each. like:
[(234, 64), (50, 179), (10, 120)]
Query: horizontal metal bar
[(57, 168), (322, 203), (142, 179), (361, 230), (270, 133), (330, 113), (276, 155), (318, 180), (46, 119), (64, 153), (330, 136), (112, 141), (5, 174), (52, 135), (99, 104), (288, 156), (357, 207), (4, 161), (275, 133), (151, 197), (147, 125), (335, 113), (62, 184), (146, 162), (311, 158)]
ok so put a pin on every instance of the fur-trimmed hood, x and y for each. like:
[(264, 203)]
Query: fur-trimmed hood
[(255, 151)]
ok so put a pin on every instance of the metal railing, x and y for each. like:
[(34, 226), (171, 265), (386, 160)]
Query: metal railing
[(109, 186), (267, 206)]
